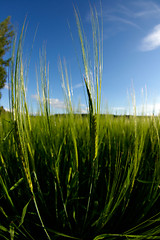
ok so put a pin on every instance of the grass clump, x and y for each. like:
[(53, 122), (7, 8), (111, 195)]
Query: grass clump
[(73, 176)]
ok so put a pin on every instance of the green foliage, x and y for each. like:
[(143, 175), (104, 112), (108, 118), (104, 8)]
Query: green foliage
[(2, 110), (6, 34), (124, 202)]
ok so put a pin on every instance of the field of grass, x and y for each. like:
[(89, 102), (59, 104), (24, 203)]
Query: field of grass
[(91, 177)]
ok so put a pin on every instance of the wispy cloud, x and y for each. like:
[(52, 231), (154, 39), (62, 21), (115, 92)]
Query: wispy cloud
[(139, 9), (147, 9), (79, 85), (122, 16), (128, 14), (121, 20), (152, 40)]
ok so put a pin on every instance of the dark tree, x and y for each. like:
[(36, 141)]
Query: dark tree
[(6, 34)]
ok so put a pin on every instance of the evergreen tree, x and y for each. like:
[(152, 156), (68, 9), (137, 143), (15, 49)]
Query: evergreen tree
[(6, 34)]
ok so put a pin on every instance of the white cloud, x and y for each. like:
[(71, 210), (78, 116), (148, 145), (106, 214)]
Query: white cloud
[(35, 96), (152, 40), (84, 111), (119, 108), (148, 109), (7, 109), (141, 109), (6, 86), (55, 102)]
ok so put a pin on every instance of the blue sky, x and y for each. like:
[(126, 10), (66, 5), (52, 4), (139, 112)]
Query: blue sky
[(131, 50)]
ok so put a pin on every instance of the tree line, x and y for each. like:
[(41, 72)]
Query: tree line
[(6, 36)]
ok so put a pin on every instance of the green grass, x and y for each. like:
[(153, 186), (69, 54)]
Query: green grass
[(125, 192), (72, 176)]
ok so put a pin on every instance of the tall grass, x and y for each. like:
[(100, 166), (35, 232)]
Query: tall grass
[(72, 176)]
